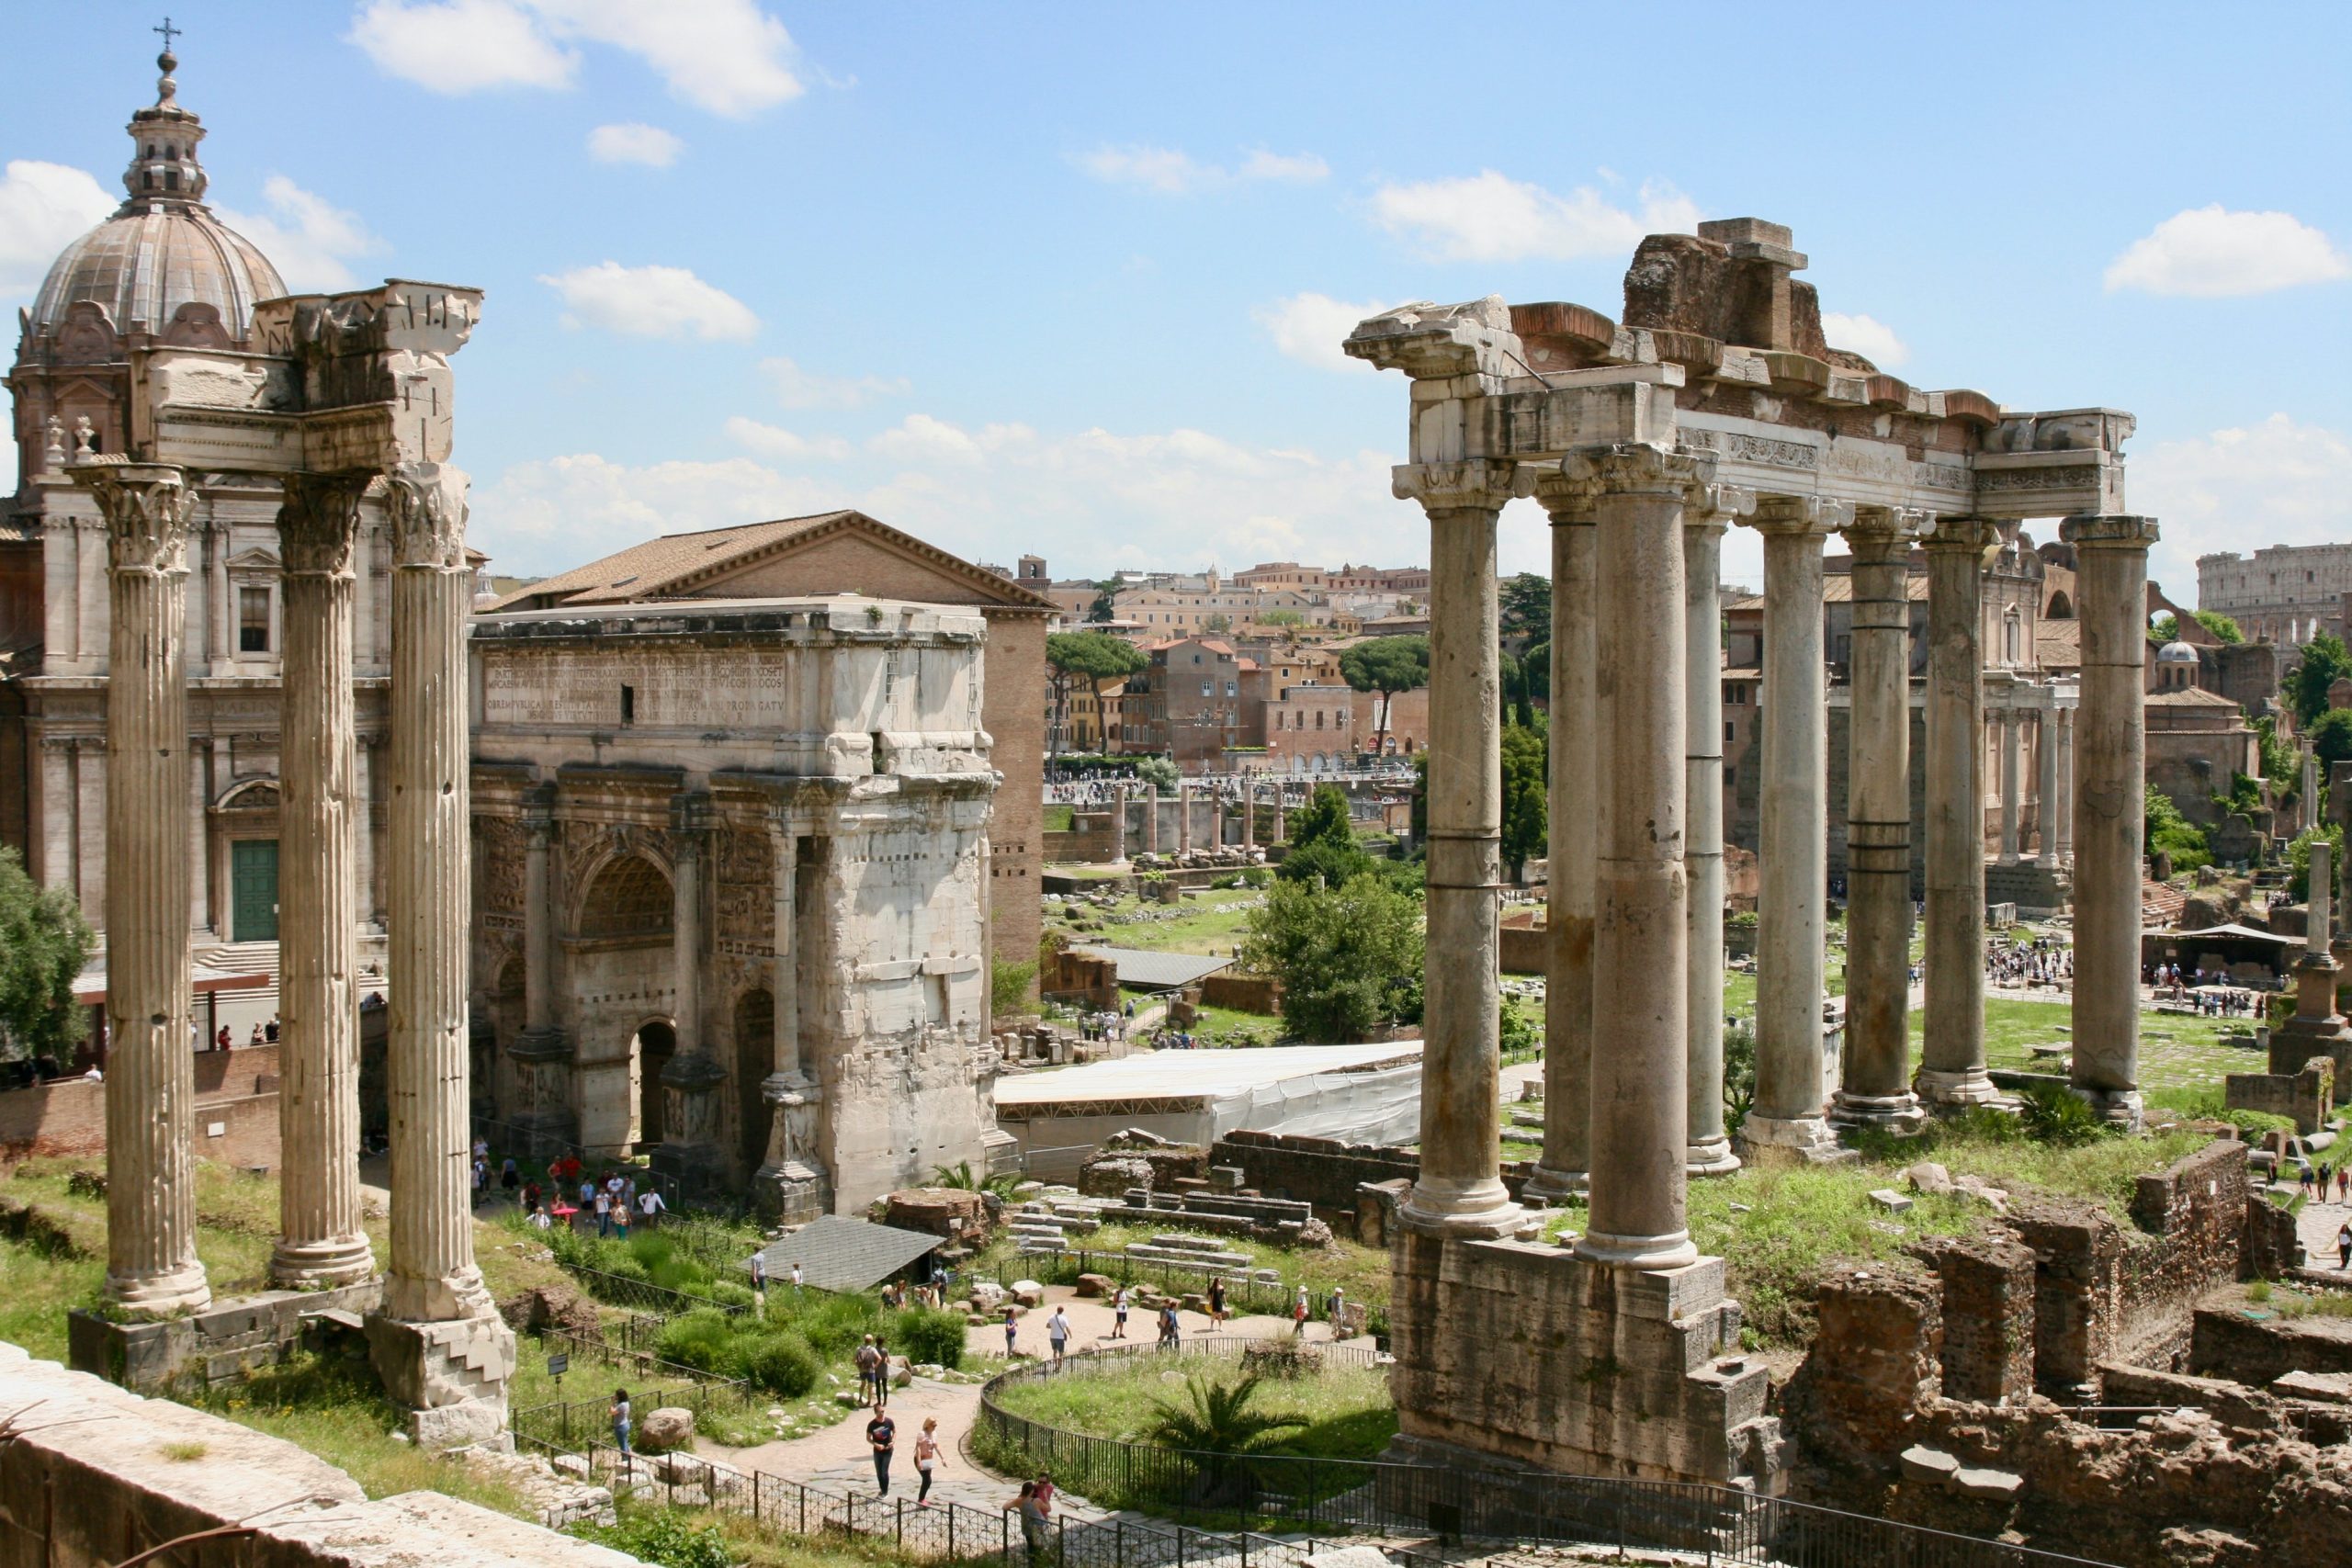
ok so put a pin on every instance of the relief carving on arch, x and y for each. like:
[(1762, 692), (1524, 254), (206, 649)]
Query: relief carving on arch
[(500, 847), (746, 886)]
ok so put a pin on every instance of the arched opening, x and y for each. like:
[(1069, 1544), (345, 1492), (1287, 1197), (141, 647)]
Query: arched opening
[(2060, 607), (629, 897), (655, 1043), (754, 1059)]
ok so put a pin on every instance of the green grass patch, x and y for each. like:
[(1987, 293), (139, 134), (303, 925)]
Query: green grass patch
[(1061, 819), (1212, 922), (1346, 1408)]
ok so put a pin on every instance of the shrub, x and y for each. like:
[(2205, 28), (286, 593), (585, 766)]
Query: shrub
[(930, 1334), (699, 1340), (727, 1293), (661, 1536), (2056, 1115), (831, 1323), (781, 1363)]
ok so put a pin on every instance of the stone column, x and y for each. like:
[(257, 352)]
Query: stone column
[(1706, 510), (1249, 816), (1640, 1135), (2012, 729), (2111, 576), (1568, 894), (1281, 803), (2045, 809), (1151, 819), (1875, 1089), (1794, 848), (1952, 1070), (2065, 813), (320, 1242), (789, 1187), (438, 1342), (1183, 818), (152, 1267), (543, 1050), (1460, 1188), (2310, 803), (1119, 826), (690, 1081)]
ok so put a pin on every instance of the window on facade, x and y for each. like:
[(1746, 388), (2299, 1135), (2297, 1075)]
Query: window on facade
[(252, 620), (1208, 688), (629, 705), (1728, 734)]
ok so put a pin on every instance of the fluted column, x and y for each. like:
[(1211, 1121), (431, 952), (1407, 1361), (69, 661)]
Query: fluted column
[(2111, 553), (1568, 892), (319, 1241), (1459, 1187), (2045, 809), (693, 1077), (1640, 1135), (2012, 731), (2065, 812), (433, 1277), (152, 1267), (1874, 1087), (1794, 848), (542, 1053), (1951, 1057), (1706, 510)]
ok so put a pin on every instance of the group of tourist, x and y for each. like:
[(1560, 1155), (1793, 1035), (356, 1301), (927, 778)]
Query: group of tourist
[(1106, 1025), (2206, 990), (611, 1200), (2040, 962)]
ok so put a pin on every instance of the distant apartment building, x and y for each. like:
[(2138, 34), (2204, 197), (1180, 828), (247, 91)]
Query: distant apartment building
[(2288, 594), (1177, 610)]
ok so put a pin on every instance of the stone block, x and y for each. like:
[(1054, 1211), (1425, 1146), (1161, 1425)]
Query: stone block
[(450, 1375), (672, 1427), (1929, 1465), (1989, 1485), (1891, 1200)]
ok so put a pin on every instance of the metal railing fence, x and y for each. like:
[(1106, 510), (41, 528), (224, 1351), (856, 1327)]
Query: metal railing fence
[(1374, 1497)]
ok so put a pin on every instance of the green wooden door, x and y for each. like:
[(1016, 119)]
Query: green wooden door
[(253, 881)]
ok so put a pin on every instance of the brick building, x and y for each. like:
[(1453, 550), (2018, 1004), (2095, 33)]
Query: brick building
[(1187, 705)]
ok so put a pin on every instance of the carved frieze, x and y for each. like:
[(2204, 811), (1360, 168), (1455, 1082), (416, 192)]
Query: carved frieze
[(501, 845), (746, 886)]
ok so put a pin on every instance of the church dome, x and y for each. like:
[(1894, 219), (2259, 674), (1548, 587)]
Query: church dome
[(163, 250), (2177, 653)]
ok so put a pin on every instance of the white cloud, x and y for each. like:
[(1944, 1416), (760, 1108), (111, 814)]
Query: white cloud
[(1865, 335), (773, 441), (1174, 173), (43, 209), (650, 301), (1310, 327), (461, 45), (1487, 217), (726, 56), (634, 144), (2209, 253), (1092, 499), (799, 388), (306, 237), (2275, 482)]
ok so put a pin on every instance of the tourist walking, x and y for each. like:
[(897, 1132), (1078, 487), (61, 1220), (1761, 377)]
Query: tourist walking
[(650, 1206), (1119, 1312), (2343, 1185), (868, 1358), (926, 1458), (1339, 1310), (796, 1276), (2344, 1246), (604, 1203), (882, 1437), (620, 1423), (1216, 1301), (1034, 1519), (1168, 1328), (1010, 1328), (1058, 1334), (759, 1283), (1298, 1313)]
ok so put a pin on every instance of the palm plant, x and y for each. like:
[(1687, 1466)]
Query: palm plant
[(1216, 1420)]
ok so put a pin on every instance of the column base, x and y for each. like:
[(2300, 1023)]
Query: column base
[(1711, 1157), (1956, 1090), (451, 1376), (160, 1295), (2117, 1107), (1898, 1114), (791, 1194), (321, 1265), (1551, 1185), (1477, 1209), (1673, 1250), (1767, 1139)]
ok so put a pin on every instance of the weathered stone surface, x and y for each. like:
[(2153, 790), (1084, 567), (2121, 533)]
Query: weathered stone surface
[(557, 1305), (672, 1427)]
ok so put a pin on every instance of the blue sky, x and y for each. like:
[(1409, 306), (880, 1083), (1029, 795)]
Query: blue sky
[(1069, 278)]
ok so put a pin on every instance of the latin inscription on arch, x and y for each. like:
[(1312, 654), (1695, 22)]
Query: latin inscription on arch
[(703, 688)]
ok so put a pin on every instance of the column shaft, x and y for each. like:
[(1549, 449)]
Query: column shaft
[(1951, 1069), (1119, 826), (432, 1277), (2045, 805), (1641, 929), (1875, 1086), (1460, 1187), (320, 1242), (152, 1267), (2065, 817), (1793, 843), (2112, 577), (1568, 894), (2012, 732), (692, 1079), (539, 925), (1709, 1152), (1151, 820)]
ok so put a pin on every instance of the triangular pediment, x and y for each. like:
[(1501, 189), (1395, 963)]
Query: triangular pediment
[(254, 558), (851, 552)]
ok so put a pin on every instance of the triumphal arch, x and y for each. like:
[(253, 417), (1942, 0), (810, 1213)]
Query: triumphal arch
[(1714, 400)]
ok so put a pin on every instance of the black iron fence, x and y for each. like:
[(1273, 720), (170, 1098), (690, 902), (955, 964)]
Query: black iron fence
[(1718, 1523)]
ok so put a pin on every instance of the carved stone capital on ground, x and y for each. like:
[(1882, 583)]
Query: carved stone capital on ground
[(1800, 514), (146, 506), (1471, 484), (2112, 531), (318, 520), (426, 505), (1632, 469)]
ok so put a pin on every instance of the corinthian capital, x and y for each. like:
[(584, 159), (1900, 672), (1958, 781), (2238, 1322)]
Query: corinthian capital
[(1566, 498), (1478, 483), (1903, 523), (1706, 504), (146, 507), (1629, 469), (1800, 514), (427, 505), (1972, 533), (317, 521), (2112, 531)]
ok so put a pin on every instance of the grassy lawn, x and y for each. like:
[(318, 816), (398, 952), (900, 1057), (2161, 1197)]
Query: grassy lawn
[(1347, 1409), (1211, 923), (1061, 819), (2175, 1052)]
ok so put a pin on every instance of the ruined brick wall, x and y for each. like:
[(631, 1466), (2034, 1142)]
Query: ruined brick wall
[(1877, 1354), (1245, 993), (1987, 1300), (1526, 946), (2225, 1343), (235, 1091), (1324, 1172), (2196, 1209), (2077, 1289), (1087, 842)]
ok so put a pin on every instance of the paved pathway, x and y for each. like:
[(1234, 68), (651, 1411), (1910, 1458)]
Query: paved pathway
[(838, 1460), (2316, 1226)]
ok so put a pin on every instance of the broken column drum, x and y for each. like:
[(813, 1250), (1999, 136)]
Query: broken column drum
[(2111, 575)]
